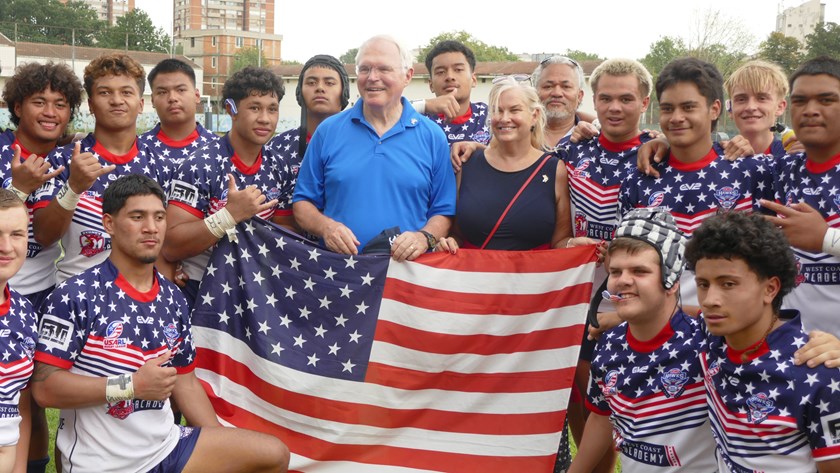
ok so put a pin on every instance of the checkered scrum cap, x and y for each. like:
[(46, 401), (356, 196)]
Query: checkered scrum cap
[(658, 228)]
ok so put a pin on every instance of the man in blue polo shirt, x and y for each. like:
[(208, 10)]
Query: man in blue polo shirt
[(378, 166)]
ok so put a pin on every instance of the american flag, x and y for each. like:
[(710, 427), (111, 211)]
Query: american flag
[(362, 364)]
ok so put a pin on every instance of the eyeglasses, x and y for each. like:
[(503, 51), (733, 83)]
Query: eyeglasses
[(516, 77), (366, 70), (559, 60)]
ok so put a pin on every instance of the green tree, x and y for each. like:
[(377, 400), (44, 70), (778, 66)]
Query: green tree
[(719, 39), (783, 50), (252, 56), (483, 51), (349, 57), (290, 62), (581, 56), (824, 41), (663, 51), (136, 32), (49, 21)]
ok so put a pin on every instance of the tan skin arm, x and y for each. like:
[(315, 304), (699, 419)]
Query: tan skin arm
[(337, 236), (597, 440), (193, 401), (56, 387), (563, 223)]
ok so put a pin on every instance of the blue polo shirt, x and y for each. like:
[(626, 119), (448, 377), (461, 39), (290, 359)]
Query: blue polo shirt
[(370, 183)]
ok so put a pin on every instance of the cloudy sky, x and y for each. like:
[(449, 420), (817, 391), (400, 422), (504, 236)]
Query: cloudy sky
[(612, 28)]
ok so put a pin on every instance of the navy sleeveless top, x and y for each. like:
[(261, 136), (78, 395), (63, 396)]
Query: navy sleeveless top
[(484, 194)]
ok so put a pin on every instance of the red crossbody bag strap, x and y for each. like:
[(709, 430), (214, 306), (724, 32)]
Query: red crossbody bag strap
[(513, 200)]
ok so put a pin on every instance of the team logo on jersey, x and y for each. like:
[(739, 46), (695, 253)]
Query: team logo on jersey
[(760, 407), (581, 224), (609, 161), (112, 336), (831, 429), (170, 331), (47, 189), (726, 197), (714, 368), (92, 243), (800, 278), (7, 182), (579, 171), (29, 347), (481, 136), (610, 383), (295, 169), (32, 249), (55, 333), (673, 382), (272, 193), (120, 410), (812, 190), (837, 201), (656, 199), (184, 192)]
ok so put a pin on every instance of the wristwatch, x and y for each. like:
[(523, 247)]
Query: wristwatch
[(430, 239)]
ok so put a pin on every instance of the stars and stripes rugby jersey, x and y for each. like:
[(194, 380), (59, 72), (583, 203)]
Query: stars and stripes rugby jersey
[(200, 186), (85, 242), (596, 168), (693, 192), (38, 271), (18, 332), (171, 152), (97, 324), (285, 146), (817, 293), (768, 414), (653, 392), (471, 126)]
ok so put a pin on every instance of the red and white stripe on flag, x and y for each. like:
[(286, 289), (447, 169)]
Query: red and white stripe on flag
[(470, 370)]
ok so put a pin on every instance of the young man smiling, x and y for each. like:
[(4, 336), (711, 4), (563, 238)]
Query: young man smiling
[(230, 180), (650, 360), (696, 181), (68, 207), (767, 414)]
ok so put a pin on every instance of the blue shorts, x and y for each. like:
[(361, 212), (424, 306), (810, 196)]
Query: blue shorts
[(178, 458)]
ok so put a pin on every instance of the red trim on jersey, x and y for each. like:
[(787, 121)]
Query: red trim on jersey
[(826, 453), (177, 143), (44, 357), (284, 213), (133, 293), (614, 147), (40, 205), (654, 343), (675, 162), (308, 137), (115, 158), (185, 369), (459, 120), (23, 151), (736, 356), (7, 304), (819, 168), (593, 408), (768, 150), (244, 168), (186, 207)]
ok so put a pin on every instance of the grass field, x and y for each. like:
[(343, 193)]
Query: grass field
[(52, 419)]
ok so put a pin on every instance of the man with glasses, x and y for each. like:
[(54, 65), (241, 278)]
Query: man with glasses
[(378, 173)]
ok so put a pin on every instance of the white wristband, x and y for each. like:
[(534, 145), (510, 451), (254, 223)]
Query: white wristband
[(419, 106), (67, 198), (831, 241), (222, 223), (21, 195), (119, 388)]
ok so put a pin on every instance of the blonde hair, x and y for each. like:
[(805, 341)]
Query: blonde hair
[(759, 76), (623, 67), (531, 100)]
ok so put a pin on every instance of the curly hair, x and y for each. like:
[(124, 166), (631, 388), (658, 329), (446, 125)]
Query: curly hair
[(116, 64), (704, 75), (253, 81), (31, 78), (748, 237)]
